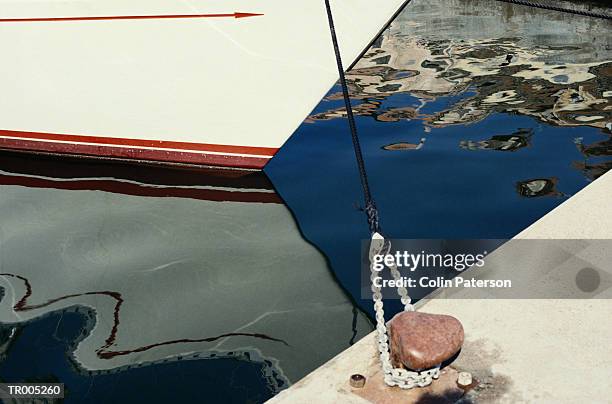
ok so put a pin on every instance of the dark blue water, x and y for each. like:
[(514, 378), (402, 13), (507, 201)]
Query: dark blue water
[(439, 191)]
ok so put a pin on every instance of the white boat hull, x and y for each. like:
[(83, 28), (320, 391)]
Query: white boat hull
[(218, 91)]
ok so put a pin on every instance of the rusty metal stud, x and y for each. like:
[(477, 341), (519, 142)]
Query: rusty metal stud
[(465, 380), (357, 381)]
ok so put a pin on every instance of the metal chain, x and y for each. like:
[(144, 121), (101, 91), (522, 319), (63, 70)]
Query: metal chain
[(402, 378)]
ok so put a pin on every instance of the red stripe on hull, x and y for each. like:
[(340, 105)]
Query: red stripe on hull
[(127, 152), (165, 144)]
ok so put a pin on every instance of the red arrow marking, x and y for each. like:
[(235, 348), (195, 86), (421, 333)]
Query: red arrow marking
[(130, 17)]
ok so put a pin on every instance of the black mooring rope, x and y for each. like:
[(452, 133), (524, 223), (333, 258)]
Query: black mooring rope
[(370, 206), (560, 9)]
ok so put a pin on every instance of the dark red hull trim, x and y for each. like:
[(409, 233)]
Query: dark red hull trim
[(167, 144), (136, 153)]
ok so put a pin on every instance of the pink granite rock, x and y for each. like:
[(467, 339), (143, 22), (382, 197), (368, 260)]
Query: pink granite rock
[(420, 341)]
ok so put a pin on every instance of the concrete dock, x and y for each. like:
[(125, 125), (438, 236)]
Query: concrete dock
[(518, 350)]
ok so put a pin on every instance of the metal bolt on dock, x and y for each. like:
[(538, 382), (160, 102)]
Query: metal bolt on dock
[(465, 380), (357, 381)]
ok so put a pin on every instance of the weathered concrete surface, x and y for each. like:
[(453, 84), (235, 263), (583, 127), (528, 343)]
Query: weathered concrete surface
[(330, 383), (520, 351), (535, 351), (377, 391)]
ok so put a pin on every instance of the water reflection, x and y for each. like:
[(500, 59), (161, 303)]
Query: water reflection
[(193, 265), (506, 59), (538, 187), (512, 142), (490, 63), (476, 119)]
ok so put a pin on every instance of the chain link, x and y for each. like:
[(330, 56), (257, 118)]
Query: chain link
[(402, 378)]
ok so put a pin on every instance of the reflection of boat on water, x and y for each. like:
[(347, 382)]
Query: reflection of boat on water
[(152, 272), (593, 170), (440, 69), (505, 65), (513, 142), (193, 182), (171, 81), (405, 146), (538, 187), (596, 150)]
